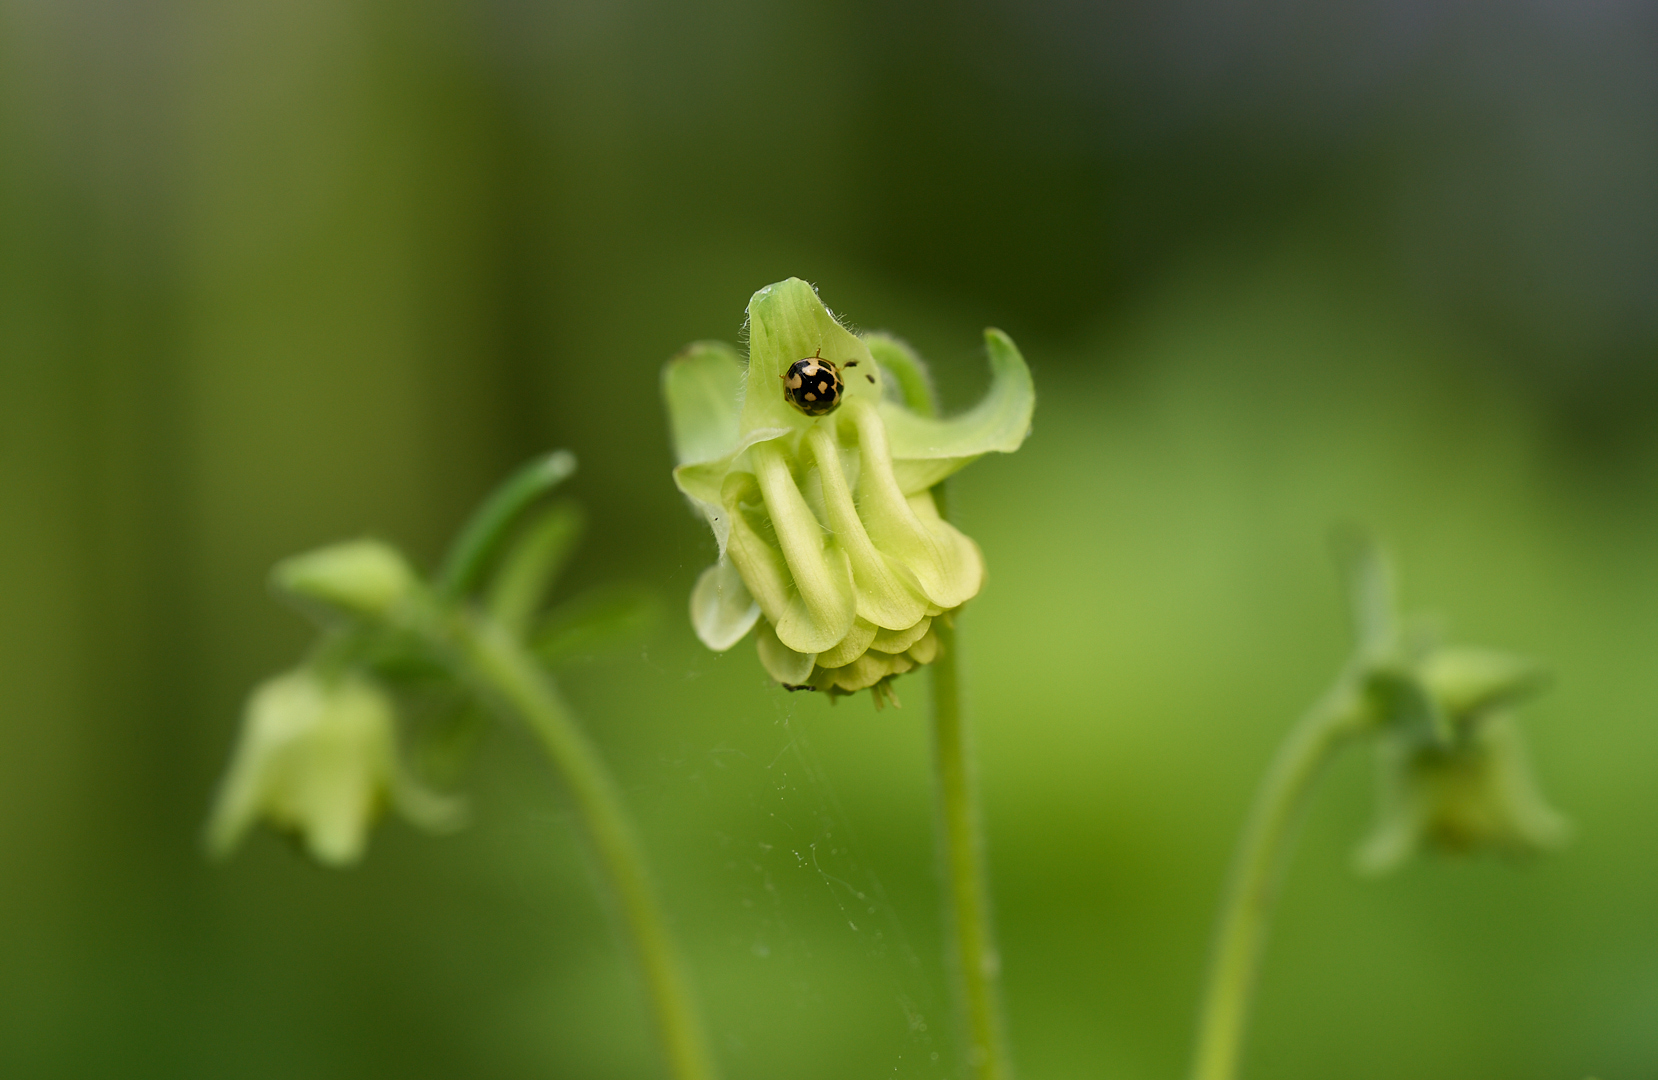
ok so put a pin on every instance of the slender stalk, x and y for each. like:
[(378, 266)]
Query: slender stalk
[(500, 666), (977, 963), (1259, 862)]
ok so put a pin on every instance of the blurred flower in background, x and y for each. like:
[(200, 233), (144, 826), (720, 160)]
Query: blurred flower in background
[(1460, 780), (318, 755)]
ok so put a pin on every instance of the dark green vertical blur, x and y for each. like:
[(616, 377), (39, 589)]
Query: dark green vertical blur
[(272, 275)]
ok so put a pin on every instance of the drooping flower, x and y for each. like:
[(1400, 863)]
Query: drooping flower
[(317, 756), (1453, 773), (818, 492)]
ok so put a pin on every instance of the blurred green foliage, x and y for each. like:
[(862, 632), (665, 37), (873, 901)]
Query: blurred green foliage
[(274, 275)]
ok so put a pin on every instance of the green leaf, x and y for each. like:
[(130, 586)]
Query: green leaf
[(527, 571), (927, 449), (702, 386), (489, 524)]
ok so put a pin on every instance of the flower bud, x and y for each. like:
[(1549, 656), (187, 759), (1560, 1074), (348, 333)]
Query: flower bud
[(318, 756), (818, 492), (358, 577)]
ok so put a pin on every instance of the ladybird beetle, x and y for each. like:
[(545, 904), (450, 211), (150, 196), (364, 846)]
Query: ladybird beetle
[(813, 385)]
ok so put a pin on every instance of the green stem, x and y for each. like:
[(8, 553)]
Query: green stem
[(977, 963), (1261, 856), (500, 666)]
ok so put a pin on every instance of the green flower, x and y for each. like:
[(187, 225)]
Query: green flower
[(317, 756), (828, 534), (1452, 768), (1453, 773)]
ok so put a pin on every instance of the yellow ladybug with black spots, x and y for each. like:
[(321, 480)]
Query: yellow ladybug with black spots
[(813, 385)]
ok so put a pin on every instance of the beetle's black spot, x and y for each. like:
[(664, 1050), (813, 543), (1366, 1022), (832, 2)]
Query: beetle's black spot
[(871, 378)]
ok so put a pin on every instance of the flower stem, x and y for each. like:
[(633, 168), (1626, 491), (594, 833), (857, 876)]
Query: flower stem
[(499, 665), (977, 963), (1259, 863)]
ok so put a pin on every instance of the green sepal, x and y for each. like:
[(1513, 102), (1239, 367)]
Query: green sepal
[(1468, 681), (787, 322), (702, 387), (722, 608), (927, 449)]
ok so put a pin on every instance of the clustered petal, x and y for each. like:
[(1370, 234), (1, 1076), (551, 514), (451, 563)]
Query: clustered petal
[(829, 537)]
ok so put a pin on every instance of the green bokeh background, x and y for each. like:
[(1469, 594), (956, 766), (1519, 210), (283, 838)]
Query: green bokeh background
[(276, 274)]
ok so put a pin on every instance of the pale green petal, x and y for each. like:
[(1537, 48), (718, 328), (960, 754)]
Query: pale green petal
[(704, 482), (702, 386), (926, 650), (897, 641), (862, 673), (331, 804), (722, 609), (966, 561), (781, 662), (787, 322), (758, 561), (887, 593), (823, 607), (945, 563), (927, 449), (849, 648)]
